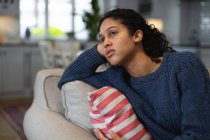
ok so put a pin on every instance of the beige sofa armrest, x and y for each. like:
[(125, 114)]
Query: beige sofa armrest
[(45, 118), (46, 93)]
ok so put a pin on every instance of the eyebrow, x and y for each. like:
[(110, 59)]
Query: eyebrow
[(99, 36)]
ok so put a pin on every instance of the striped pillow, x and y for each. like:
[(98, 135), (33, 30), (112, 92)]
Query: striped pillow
[(111, 110)]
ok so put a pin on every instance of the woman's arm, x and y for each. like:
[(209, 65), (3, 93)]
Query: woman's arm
[(194, 83), (83, 67)]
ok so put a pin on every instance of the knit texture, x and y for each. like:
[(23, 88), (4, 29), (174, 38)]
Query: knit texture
[(173, 103)]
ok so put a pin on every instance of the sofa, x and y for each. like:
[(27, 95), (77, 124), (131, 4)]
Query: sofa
[(45, 119)]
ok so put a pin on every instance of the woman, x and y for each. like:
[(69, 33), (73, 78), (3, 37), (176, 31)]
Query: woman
[(169, 91)]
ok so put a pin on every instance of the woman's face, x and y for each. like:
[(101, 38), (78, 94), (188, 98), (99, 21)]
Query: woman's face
[(119, 45)]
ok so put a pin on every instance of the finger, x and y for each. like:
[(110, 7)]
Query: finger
[(100, 50), (100, 135), (114, 135)]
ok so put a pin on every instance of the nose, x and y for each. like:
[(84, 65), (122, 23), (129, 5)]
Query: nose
[(106, 43)]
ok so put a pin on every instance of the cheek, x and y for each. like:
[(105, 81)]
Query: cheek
[(124, 52), (127, 40), (127, 47)]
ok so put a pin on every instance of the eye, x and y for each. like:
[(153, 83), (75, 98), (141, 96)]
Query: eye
[(113, 33)]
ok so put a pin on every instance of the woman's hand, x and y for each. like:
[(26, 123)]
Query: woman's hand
[(114, 136), (100, 49)]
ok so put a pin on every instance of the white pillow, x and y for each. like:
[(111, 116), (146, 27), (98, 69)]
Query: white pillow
[(74, 99)]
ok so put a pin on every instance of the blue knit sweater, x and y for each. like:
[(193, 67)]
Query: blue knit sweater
[(173, 103)]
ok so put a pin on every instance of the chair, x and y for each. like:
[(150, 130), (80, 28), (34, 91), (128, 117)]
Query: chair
[(66, 52), (47, 53)]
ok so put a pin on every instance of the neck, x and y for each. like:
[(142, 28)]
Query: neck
[(140, 65)]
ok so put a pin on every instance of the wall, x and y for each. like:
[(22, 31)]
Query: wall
[(181, 18), (9, 29), (169, 12), (9, 19), (132, 4), (10, 7), (190, 20), (106, 5), (171, 18)]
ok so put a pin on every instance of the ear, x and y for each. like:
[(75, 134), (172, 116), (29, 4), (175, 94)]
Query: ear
[(138, 35)]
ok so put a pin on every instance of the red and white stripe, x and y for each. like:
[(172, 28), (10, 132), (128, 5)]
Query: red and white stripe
[(111, 110)]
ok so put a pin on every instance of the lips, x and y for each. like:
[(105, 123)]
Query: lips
[(109, 53)]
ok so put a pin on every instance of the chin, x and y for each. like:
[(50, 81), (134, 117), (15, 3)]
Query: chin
[(114, 63)]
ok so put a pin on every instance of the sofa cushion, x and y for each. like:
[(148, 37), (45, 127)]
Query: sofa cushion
[(111, 110), (74, 99)]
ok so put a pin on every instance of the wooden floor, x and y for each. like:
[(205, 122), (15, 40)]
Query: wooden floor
[(4, 102), (6, 130)]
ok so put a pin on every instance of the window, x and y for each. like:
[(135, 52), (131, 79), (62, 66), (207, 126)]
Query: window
[(62, 16)]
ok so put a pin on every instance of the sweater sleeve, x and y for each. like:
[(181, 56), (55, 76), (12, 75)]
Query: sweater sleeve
[(83, 67), (194, 83)]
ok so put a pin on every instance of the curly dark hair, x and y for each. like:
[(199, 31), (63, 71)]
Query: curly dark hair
[(154, 42)]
